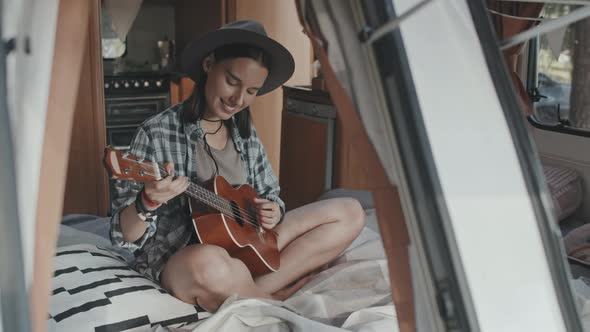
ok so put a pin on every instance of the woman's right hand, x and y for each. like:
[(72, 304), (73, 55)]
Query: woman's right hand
[(163, 190)]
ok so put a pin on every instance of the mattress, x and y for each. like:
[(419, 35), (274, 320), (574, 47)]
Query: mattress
[(95, 290)]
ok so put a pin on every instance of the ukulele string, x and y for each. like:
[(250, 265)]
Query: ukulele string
[(212, 199), (220, 203), (225, 208)]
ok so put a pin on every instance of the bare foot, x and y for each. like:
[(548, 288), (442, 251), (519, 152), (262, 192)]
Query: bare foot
[(286, 292)]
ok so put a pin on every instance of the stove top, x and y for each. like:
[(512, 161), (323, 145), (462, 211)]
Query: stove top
[(136, 84)]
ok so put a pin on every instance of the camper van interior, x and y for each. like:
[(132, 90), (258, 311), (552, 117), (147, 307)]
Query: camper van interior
[(460, 127)]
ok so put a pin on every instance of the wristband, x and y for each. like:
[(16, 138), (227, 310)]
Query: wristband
[(149, 202)]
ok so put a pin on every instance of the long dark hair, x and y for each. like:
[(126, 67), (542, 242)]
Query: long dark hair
[(194, 106)]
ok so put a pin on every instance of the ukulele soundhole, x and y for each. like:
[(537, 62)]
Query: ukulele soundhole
[(235, 209)]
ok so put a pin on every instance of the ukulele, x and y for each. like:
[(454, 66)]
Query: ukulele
[(221, 215)]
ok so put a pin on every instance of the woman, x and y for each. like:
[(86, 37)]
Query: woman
[(211, 134)]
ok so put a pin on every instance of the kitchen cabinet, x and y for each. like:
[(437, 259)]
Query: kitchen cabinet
[(317, 154), (307, 145), (86, 190), (180, 89)]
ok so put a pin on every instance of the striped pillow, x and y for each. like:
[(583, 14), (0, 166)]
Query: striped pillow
[(565, 186), (95, 290)]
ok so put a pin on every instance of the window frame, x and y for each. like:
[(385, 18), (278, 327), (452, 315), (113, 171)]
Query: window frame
[(432, 220), (533, 175), (532, 81)]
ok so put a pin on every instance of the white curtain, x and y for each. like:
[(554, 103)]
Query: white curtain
[(349, 64), (28, 78), (354, 76)]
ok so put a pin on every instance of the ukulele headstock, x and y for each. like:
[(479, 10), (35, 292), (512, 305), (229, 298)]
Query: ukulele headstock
[(126, 166)]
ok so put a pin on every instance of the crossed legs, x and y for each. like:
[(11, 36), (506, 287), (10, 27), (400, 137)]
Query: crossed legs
[(309, 237)]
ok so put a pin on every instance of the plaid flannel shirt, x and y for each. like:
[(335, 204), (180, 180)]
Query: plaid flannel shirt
[(163, 138)]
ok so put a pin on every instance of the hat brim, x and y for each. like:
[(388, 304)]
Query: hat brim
[(282, 64)]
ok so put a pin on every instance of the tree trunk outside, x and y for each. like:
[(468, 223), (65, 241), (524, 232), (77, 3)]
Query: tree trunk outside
[(580, 98)]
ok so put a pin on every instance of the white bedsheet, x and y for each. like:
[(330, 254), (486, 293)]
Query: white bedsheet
[(352, 294)]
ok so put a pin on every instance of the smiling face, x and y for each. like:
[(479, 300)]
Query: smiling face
[(232, 85)]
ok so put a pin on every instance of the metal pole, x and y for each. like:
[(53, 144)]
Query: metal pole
[(546, 26)]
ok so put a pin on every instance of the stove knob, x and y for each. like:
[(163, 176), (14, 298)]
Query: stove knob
[(107, 85), (116, 85), (146, 84), (136, 84), (158, 83), (126, 84)]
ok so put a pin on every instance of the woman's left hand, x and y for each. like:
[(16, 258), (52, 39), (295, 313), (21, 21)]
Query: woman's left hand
[(269, 212)]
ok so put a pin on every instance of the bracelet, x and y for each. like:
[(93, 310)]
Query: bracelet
[(148, 200), (142, 212)]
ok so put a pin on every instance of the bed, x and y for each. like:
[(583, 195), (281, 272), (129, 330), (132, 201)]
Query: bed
[(95, 290)]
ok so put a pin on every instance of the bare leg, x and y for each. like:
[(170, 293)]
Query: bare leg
[(206, 275), (311, 236)]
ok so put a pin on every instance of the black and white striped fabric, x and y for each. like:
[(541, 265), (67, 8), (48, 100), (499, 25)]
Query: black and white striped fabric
[(95, 290)]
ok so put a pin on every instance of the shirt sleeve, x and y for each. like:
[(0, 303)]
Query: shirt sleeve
[(265, 181), (127, 190)]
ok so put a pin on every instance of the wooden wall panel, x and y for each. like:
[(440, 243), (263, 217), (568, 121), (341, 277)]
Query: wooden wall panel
[(70, 45), (358, 167), (280, 21), (195, 17), (87, 180), (175, 93), (180, 90), (305, 160)]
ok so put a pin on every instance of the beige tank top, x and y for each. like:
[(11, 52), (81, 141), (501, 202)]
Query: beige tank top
[(228, 160)]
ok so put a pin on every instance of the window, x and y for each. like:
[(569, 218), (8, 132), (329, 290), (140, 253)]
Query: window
[(563, 94)]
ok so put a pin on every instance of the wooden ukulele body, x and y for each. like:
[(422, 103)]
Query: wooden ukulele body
[(239, 235)]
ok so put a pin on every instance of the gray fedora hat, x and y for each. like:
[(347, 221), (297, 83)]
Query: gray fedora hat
[(247, 32)]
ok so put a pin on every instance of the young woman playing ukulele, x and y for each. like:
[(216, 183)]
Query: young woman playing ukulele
[(211, 134)]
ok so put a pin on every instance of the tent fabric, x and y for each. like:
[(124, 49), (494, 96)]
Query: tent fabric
[(351, 90), (354, 81), (28, 77)]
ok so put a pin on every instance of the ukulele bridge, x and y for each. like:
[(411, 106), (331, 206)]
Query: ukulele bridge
[(261, 233)]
